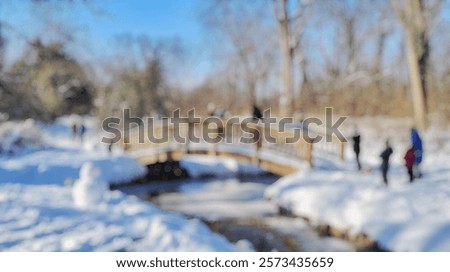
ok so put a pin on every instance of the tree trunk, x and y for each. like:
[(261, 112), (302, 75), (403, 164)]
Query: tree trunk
[(379, 59), (417, 83), (412, 14), (251, 85), (305, 85), (417, 54), (287, 103)]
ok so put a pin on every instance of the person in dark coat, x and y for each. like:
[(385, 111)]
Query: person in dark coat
[(256, 113), (110, 147), (385, 155), (418, 150), (82, 132), (74, 129), (409, 162), (356, 147)]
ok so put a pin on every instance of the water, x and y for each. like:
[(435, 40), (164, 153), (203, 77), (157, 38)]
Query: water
[(236, 208)]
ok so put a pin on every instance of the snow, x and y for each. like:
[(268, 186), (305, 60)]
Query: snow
[(401, 216), (47, 204), (199, 166), (15, 136), (43, 218), (51, 156), (241, 199), (308, 238), (216, 199), (42, 211), (174, 233)]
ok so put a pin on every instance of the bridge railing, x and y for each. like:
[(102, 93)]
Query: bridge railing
[(290, 140)]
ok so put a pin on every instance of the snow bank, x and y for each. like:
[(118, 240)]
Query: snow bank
[(174, 233), (43, 218), (56, 166), (201, 165), (40, 212), (38, 153), (413, 218), (18, 137), (401, 216)]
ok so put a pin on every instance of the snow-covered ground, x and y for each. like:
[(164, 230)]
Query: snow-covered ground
[(46, 205), (242, 200), (44, 218), (222, 198), (400, 216)]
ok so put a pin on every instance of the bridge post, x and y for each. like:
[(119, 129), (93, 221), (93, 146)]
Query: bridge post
[(305, 148), (126, 144), (309, 152), (191, 128), (342, 150), (170, 135), (258, 138), (205, 131)]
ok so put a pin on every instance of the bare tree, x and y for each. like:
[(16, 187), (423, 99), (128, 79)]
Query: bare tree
[(415, 17), (291, 24), (139, 80), (242, 26), (352, 31), (2, 47), (282, 15)]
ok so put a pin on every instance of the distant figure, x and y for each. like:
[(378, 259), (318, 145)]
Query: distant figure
[(409, 162), (256, 113), (211, 108), (418, 150), (356, 146), (82, 131), (74, 129), (385, 155), (110, 147), (220, 113)]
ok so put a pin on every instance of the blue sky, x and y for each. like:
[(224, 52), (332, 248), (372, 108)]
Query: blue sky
[(155, 18), (96, 25), (95, 31)]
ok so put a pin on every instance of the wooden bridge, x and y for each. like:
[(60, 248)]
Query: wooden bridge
[(277, 149)]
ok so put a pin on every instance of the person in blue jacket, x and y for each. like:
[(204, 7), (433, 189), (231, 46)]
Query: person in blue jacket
[(418, 150)]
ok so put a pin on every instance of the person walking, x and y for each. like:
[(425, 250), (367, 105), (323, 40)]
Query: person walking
[(409, 162), (257, 113), (74, 128), (385, 155), (356, 146), (82, 131)]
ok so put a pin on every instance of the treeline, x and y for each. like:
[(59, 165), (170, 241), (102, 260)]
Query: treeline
[(47, 82), (297, 55), (360, 57)]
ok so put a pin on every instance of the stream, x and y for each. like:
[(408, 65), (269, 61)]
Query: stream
[(236, 208)]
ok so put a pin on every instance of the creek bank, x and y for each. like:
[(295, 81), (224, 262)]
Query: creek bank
[(162, 186), (361, 240)]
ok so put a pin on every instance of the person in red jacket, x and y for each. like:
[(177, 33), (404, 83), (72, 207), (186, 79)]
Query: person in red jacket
[(409, 162)]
